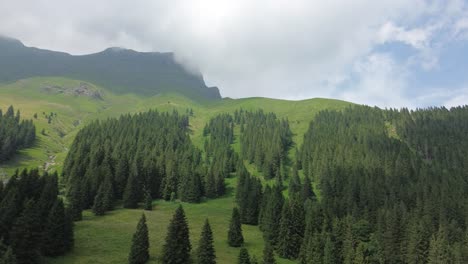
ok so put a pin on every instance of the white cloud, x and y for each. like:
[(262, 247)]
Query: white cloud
[(378, 79), (458, 100), (461, 28), (417, 38)]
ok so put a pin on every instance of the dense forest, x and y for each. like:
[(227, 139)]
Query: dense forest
[(394, 186), (265, 141), (141, 157), (367, 185), (15, 133), (33, 219)]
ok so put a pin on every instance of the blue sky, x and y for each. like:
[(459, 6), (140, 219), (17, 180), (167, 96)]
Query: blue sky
[(395, 53)]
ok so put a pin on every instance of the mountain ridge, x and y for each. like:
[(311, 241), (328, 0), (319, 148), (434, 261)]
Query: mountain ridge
[(118, 69)]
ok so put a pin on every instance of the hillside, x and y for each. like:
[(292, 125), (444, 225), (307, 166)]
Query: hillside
[(354, 186), (72, 104), (73, 109), (121, 70)]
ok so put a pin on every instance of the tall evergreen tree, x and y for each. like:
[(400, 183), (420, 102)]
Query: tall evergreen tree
[(75, 200), (206, 251), (329, 251), (139, 252), (131, 193), (99, 205), (26, 235), (271, 214), (69, 235), (286, 235), (55, 233), (177, 248), (235, 237), (191, 190), (307, 192), (439, 250), (244, 257), (148, 201), (268, 254)]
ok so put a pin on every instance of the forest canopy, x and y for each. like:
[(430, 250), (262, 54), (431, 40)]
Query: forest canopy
[(15, 133)]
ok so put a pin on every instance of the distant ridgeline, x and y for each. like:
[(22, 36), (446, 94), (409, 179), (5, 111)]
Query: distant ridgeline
[(120, 70), (15, 134)]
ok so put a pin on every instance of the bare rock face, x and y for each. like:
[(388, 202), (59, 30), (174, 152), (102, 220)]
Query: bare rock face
[(83, 89)]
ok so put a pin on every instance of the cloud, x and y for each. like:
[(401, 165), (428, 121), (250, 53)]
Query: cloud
[(461, 28), (459, 98), (379, 78), (418, 38), (284, 49)]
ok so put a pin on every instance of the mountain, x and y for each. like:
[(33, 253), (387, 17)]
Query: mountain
[(120, 70)]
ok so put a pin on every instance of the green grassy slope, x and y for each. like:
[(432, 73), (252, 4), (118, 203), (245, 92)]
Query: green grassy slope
[(107, 239), (73, 112)]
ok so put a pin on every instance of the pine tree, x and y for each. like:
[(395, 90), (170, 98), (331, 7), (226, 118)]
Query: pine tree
[(76, 203), (244, 257), (295, 185), (297, 225), (54, 235), (191, 188), (307, 192), (235, 238), (268, 254), (439, 248), (25, 236), (285, 239), (206, 251), (418, 244), (210, 188), (329, 251), (177, 248), (131, 193), (8, 211), (99, 207), (48, 195), (360, 257), (139, 252), (148, 201), (69, 236), (271, 215)]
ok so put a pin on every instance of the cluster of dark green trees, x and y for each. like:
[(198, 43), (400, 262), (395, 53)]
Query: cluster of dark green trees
[(33, 219), (134, 158), (14, 133), (177, 248), (393, 185), (220, 156), (248, 195), (265, 141), (393, 189)]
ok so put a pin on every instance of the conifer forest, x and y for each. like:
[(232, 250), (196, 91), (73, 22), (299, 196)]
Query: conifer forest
[(365, 186)]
